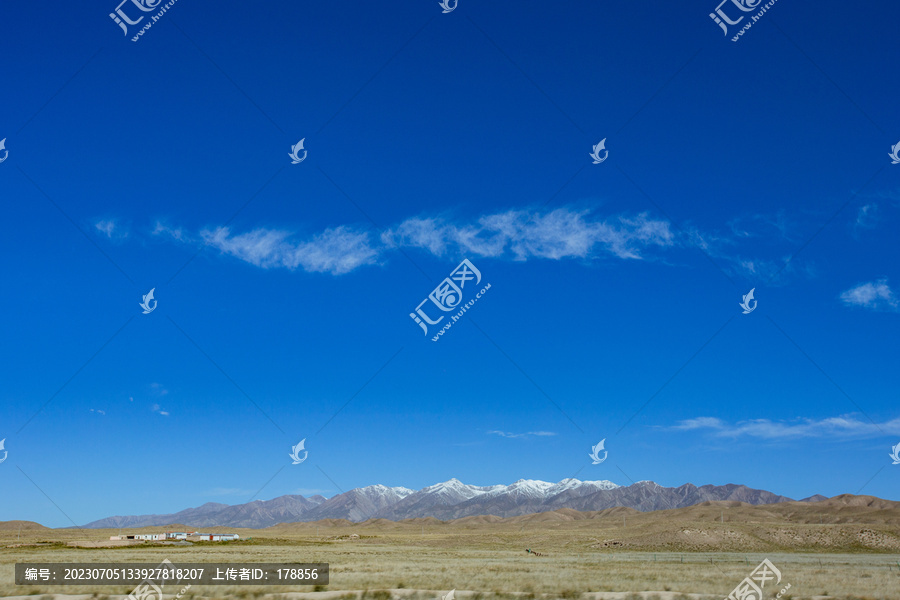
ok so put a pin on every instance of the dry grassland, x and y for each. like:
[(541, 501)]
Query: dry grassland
[(688, 553)]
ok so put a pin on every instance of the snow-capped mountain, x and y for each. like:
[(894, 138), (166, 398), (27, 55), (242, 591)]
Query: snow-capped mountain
[(451, 499), (359, 504)]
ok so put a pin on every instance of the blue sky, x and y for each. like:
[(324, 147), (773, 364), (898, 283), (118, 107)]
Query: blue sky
[(285, 290)]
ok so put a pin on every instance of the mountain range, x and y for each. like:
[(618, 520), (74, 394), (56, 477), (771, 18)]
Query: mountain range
[(448, 500)]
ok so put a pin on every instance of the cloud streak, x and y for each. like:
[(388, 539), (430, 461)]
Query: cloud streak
[(111, 228), (843, 426), (519, 235), (337, 251), (874, 295), (507, 434)]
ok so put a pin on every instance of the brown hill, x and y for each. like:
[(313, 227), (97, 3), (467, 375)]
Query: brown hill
[(23, 525), (478, 520), (844, 523), (841, 524), (844, 509), (851, 500)]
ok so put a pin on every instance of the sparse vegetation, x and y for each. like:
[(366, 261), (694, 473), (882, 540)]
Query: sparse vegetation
[(487, 561)]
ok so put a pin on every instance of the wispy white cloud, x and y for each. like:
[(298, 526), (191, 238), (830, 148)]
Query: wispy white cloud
[(874, 295), (507, 434), (338, 250), (758, 247), (699, 423), (175, 233), (878, 209), (866, 216), (521, 234), (156, 408), (771, 226), (773, 271), (842, 426), (111, 228), (98, 411), (159, 388), (516, 234)]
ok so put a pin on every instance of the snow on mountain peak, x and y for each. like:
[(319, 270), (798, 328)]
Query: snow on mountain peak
[(603, 484), (534, 488), (454, 490), (647, 482), (445, 486), (379, 490)]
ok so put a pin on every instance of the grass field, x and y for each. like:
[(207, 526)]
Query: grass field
[(487, 560)]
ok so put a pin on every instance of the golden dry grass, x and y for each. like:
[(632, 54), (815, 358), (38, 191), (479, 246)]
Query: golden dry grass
[(853, 553)]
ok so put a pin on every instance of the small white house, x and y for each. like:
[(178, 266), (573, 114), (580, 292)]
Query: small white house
[(139, 536), (193, 536), (212, 537)]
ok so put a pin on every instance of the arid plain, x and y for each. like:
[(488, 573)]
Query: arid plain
[(845, 547)]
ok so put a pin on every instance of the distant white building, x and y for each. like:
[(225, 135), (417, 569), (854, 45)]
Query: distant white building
[(193, 536), (139, 537), (212, 537)]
